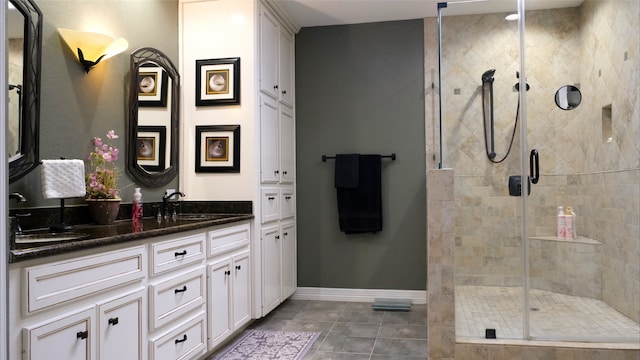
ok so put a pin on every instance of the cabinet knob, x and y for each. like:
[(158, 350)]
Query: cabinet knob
[(181, 253), (184, 288), (275, 87), (287, 197), (284, 173), (237, 267), (277, 237), (113, 321), (228, 272), (284, 92), (82, 335), (184, 338), (277, 172), (285, 234)]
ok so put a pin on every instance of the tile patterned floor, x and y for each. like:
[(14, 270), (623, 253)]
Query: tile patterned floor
[(553, 315), (353, 331)]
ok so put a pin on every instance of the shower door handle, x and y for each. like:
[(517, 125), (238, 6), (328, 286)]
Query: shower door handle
[(534, 166)]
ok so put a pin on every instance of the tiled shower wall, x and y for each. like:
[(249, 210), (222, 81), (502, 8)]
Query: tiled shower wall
[(594, 47)]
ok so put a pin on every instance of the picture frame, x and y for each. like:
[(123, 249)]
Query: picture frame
[(218, 82), (152, 86), (218, 149), (151, 147)]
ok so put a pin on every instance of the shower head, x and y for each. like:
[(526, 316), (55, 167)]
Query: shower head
[(488, 75)]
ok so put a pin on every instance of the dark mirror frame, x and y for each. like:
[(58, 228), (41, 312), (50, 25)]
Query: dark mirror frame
[(30, 128), (138, 59)]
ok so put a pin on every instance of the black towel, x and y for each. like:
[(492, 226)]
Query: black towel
[(360, 208), (347, 170)]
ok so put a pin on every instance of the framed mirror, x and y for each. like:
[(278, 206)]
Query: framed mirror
[(154, 108), (568, 97), (24, 27)]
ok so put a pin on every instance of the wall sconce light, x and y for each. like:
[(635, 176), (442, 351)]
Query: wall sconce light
[(89, 48)]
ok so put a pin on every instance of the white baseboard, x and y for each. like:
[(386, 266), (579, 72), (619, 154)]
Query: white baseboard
[(358, 295)]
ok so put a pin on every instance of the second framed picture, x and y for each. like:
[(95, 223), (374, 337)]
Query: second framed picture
[(218, 82), (152, 86), (218, 148), (151, 147)]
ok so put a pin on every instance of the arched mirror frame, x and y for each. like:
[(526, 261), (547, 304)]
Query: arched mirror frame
[(139, 58), (29, 156)]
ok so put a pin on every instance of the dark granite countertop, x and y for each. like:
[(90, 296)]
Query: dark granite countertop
[(121, 231)]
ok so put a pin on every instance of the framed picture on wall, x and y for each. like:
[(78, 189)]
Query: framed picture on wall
[(218, 82), (218, 148), (152, 86), (151, 147)]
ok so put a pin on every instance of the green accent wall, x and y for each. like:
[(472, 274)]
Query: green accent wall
[(360, 89)]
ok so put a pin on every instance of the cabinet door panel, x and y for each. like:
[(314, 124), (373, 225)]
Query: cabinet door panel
[(288, 203), (120, 327), (270, 268), (219, 301), (288, 259), (270, 204), (268, 54), (269, 138), (70, 337), (285, 70), (287, 147), (241, 289)]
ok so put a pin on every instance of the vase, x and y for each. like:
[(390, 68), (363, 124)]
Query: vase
[(103, 211)]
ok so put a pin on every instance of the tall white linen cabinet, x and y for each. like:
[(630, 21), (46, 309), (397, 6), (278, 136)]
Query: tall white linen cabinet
[(260, 33)]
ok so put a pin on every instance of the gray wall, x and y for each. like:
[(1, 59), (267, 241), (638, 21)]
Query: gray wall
[(76, 106), (360, 89)]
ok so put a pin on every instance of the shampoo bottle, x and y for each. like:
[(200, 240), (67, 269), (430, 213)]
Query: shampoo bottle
[(570, 223), (561, 223)]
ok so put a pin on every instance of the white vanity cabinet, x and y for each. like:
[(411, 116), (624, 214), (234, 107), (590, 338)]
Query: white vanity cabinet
[(278, 263), (86, 307), (229, 275)]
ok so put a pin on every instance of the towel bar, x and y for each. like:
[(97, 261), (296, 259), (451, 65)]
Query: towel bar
[(392, 157)]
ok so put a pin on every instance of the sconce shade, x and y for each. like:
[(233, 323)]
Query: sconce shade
[(89, 48)]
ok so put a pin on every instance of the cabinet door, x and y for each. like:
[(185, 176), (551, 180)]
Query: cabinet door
[(70, 337), (270, 268), (270, 204), (288, 203), (269, 138), (219, 301), (289, 256), (120, 327), (285, 70), (268, 54), (241, 289), (287, 147)]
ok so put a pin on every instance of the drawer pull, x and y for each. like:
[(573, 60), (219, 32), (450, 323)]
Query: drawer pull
[(287, 197), (285, 234), (113, 321), (184, 338), (82, 335), (182, 253), (238, 267), (184, 288), (271, 198), (228, 272)]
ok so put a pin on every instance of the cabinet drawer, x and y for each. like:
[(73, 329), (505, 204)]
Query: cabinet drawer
[(176, 296), (176, 253), (288, 203), (270, 204), (185, 341), (62, 281), (228, 238)]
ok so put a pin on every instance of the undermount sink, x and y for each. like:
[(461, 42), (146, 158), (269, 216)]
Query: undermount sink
[(48, 237)]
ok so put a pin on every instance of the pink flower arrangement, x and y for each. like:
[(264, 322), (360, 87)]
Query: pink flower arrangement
[(102, 178)]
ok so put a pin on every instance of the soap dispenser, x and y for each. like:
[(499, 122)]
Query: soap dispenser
[(136, 210)]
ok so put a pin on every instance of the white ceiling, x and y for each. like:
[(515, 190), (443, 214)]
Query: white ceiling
[(307, 13)]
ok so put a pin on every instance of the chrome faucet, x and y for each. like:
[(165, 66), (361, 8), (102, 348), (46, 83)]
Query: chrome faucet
[(18, 197), (165, 200)]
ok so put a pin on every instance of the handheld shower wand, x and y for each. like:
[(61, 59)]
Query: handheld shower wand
[(487, 84)]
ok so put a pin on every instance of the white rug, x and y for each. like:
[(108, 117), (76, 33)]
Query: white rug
[(267, 345)]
